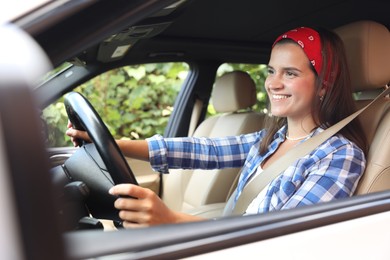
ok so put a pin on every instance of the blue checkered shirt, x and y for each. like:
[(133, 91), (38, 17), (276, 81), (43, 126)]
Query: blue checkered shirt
[(331, 171)]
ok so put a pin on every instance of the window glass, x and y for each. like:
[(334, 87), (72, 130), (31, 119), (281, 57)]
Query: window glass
[(258, 72), (134, 101)]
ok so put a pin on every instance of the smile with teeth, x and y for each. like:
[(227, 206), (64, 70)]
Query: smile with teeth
[(278, 97)]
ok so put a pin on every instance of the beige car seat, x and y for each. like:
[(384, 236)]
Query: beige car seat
[(233, 95), (368, 51)]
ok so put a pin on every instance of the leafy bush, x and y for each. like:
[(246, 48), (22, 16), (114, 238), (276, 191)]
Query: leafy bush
[(133, 101)]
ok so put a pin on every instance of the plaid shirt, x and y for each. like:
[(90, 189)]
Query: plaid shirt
[(329, 172)]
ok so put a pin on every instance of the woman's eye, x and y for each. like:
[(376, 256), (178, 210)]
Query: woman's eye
[(270, 71), (290, 74)]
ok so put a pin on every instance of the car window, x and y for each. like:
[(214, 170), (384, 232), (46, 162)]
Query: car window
[(258, 73), (134, 101)]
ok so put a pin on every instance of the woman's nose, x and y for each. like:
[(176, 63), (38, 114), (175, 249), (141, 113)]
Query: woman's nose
[(273, 83)]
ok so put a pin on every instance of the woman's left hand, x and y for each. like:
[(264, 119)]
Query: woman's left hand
[(145, 208)]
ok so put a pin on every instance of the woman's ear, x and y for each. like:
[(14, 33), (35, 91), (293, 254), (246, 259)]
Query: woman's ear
[(322, 92)]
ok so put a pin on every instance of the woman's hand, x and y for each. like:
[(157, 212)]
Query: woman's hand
[(77, 135), (145, 208)]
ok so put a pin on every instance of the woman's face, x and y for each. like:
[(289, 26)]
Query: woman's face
[(290, 83)]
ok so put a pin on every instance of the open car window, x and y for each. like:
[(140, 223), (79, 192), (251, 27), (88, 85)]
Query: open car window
[(134, 101)]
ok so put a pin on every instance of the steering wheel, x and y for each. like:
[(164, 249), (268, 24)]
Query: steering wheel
[(87, 164)]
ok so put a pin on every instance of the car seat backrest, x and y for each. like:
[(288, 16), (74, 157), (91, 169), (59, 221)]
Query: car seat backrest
[(233, 95), (367, 46)]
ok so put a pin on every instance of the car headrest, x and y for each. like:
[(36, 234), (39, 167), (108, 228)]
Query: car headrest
[(234, 91), (367, 45)]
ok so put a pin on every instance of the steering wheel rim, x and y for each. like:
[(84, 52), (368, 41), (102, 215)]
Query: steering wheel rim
[(83, 116)]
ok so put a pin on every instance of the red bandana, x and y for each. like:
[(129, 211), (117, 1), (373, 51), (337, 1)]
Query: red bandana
[(310, 42)]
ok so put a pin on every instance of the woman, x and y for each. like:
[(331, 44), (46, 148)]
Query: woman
[(309, 90)]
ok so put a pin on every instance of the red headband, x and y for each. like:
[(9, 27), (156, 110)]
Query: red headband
[(310, 42)]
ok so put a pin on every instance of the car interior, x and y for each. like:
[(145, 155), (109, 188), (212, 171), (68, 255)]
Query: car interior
[(233, 95), (193, 191), (367, 52)]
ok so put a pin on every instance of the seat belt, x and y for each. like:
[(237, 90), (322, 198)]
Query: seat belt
[(259, 182)]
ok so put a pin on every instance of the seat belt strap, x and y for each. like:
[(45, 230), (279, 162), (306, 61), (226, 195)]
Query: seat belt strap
[(259, 182)]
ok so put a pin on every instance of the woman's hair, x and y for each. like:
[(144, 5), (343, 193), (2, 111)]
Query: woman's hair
[(337, 102)]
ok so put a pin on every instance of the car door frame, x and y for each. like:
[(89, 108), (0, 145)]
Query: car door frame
[(230, 233)]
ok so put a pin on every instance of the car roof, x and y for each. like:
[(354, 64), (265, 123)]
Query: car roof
[(225, 30)]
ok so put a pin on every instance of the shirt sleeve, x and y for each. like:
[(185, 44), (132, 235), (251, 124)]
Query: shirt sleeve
[(333, 177), (199, 153)]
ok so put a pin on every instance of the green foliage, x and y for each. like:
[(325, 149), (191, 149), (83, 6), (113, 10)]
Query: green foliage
[(56, 121), (133, 101), (136, 101)]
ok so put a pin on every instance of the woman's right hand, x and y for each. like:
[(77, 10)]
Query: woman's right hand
[(76, 135)]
